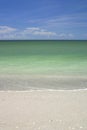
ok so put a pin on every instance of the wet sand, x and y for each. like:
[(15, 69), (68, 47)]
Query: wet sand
[(28, 82), (43, 110)]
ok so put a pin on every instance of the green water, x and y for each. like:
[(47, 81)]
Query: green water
[(43, 57)]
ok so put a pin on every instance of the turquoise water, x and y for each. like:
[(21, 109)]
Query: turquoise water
[(42, 58)]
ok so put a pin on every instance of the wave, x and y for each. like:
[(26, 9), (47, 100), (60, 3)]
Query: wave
[(43, 90)]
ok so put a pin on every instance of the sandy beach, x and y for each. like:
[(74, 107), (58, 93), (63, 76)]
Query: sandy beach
[(43, 73), (43, 110)]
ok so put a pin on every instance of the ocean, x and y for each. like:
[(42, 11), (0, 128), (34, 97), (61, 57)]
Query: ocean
[(43, 64)]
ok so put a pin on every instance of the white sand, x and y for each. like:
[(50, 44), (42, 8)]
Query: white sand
[(43, 110)]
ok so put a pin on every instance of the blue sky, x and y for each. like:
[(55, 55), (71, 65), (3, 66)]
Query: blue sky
[(43, 19)]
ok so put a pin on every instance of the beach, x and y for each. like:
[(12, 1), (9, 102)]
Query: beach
[(43, 110), (15, 82), (43, 85)]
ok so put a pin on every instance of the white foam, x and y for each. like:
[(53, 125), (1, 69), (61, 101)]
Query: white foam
[(43, 90)]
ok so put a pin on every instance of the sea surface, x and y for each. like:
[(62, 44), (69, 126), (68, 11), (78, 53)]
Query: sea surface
[(43, 64)]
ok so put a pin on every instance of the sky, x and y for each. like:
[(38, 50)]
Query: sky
[(43, 19)]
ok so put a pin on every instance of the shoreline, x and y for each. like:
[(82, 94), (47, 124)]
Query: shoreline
[(44, 90), (42, 82)]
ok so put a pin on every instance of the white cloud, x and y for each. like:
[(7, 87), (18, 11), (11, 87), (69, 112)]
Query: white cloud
[(31, 33), (45, 33), (30, 30), (39, 31), (65, 36), (6, 29)]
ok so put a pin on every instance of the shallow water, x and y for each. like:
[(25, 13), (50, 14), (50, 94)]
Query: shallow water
[(39, 59), (21, 82)]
